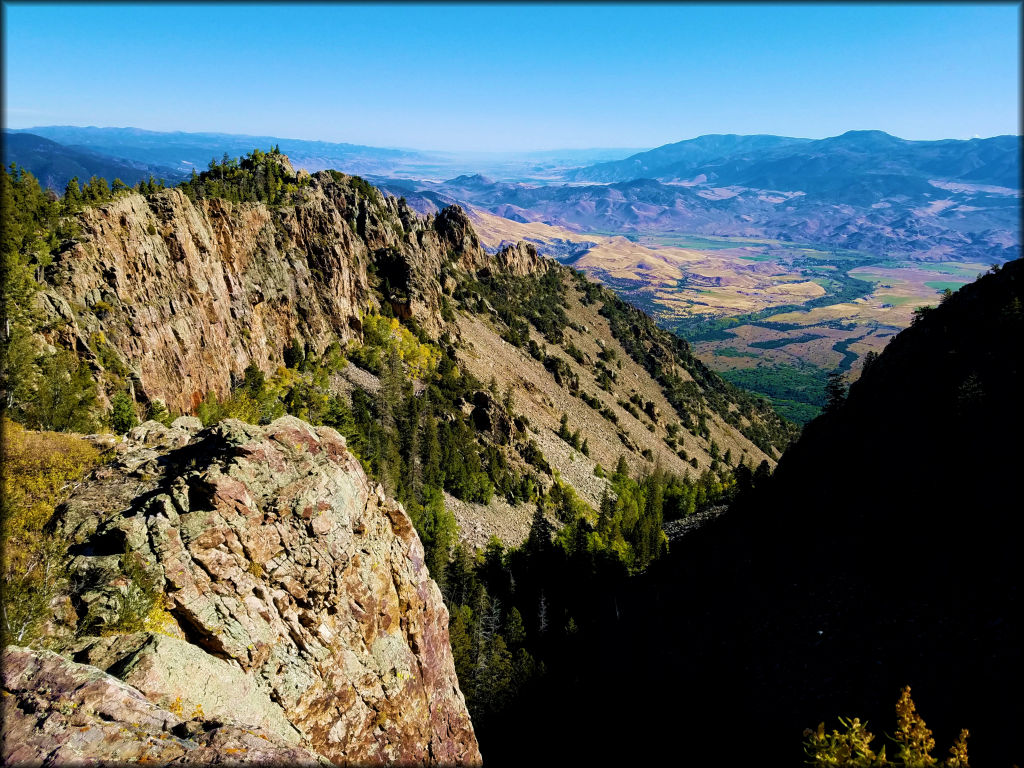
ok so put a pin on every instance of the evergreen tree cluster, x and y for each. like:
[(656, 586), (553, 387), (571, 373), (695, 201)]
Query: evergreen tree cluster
[(539, 301), (507, 619), (41, 389), (256, 177)]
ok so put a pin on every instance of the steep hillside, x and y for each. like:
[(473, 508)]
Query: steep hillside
[(881, 554), (183, 295)]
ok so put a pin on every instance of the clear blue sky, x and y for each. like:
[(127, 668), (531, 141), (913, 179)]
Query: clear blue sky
[(513, 77)]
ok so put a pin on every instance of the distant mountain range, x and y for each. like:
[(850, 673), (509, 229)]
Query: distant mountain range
[(821, 167), (690, 153), (863, 190), (185, 151), (54, 164)]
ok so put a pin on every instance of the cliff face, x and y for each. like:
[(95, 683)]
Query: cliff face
[(179, 297), (251, 576)]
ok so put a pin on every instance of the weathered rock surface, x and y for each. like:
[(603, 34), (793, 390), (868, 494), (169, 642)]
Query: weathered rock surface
[(178, 297), (299, 604), (58, 712)]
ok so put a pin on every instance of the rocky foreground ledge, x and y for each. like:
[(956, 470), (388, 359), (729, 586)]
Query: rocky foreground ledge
[(239, 594)]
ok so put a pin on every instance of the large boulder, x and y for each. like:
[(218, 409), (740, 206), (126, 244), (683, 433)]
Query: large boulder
[(255, 574), (58, 712)]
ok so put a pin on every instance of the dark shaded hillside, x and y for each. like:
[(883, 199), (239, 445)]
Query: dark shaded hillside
[(880, 555), (185, 151), (55, 164)]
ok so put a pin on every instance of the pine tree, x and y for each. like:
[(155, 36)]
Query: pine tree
[(563, 428), (515, 630), (497, 674), (72, 196), (65, 396), (430, 453), (538, 543), (835, 392), (605, 516), (621, 470), (461, 641)]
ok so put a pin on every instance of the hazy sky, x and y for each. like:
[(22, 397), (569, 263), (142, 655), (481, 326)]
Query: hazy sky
[(511, 77)]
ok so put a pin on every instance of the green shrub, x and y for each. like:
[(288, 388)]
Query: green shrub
[(122, 413)]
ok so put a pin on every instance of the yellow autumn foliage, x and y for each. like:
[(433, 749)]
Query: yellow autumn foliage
[(390, 335), (851, 747), (40, 471)]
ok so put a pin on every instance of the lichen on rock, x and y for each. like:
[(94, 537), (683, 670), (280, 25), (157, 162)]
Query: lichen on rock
[(296, 598)]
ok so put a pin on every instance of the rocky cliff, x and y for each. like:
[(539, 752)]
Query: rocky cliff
[(239, 591), (177, 297)]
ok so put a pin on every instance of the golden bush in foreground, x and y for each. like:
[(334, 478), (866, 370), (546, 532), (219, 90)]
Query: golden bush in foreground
[(850, 748), (40, 470)]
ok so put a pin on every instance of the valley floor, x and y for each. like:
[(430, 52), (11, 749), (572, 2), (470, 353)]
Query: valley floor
[(771, 316)]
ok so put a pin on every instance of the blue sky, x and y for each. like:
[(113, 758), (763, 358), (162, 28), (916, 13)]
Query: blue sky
[(513, 77)]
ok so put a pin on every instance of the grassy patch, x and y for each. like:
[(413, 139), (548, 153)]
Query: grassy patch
[(970, 271), (898, 301), (777, 343), (941, 285), (732, 352)]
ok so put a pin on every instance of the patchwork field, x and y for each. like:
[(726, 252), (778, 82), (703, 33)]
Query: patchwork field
[(771, 316)]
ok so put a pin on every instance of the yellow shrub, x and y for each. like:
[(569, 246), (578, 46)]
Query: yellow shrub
[(241, 406), (177, 708), (913, 739), (40, 470)]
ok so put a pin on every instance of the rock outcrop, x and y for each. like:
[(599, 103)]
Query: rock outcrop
[(253, 575), (177, 297), (59, 712), (519, 259)]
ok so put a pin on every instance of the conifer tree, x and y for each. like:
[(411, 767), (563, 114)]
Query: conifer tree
[(122, 414), (72, 196), (835, 392)]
